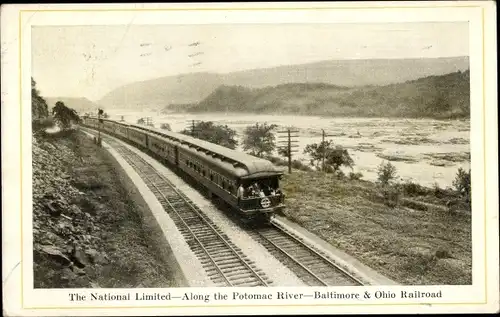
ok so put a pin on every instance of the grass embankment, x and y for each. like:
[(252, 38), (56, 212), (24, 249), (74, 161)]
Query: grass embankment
[(411, 243), (88, 232)]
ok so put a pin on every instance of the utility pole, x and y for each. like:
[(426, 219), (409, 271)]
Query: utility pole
[(100, 112), (192, 126), (323, 145), (287, 142)]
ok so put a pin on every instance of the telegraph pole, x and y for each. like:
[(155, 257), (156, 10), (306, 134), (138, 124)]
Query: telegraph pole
[(192, 126), (323, 135), (100, 112), (288, 142), (149, 121)]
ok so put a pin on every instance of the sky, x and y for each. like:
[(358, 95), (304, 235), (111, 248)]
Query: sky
[(90, 61)]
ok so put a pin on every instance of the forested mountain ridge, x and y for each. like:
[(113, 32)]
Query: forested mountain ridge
[(441, 97)]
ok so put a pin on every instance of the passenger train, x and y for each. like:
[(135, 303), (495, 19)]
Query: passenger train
[(246, 183)]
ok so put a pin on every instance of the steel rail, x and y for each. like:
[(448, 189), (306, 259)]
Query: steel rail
[(297, 239), (200, 216), (295, 260)]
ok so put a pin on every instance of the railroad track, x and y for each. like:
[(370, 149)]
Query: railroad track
[(224, 263), (312, 266)]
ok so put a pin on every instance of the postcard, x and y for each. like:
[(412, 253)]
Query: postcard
[(249, 158)]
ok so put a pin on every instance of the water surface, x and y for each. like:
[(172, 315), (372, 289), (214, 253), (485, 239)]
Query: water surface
[(426, 151)]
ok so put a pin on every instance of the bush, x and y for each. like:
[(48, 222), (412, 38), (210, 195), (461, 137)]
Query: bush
[(355, 176), (300, 166), (412, 189), (391, 195), (334, 156), (455, 205), (42, 124), (165, 126), (438, 191), (339, 174), (296, 164), (386, 173), (259, 139), (442, 253), (462, 184), (64, 116), (421, 262), (214, 133)]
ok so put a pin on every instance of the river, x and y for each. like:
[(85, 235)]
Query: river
[(425, 151)]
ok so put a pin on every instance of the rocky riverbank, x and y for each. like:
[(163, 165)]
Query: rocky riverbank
[(87, 231)]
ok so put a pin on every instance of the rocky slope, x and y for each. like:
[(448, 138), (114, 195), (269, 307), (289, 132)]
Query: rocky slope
[(87, 232)]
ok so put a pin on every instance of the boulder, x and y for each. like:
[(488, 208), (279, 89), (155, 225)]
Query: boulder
[(55, 208), (78, 270), (68, 274), (79, 257), (96, 257), (55, 253)]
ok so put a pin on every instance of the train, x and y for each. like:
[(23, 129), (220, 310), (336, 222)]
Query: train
[(247, 184)]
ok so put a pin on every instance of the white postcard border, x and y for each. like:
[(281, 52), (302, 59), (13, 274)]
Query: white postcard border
[(482, 123)]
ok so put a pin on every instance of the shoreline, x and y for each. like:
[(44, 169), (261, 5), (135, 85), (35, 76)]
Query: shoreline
[(321, 116)]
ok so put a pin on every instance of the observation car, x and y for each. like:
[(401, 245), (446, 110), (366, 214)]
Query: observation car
[(246, 183)]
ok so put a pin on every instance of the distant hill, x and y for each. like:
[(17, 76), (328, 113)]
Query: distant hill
[(194, 87), (355, 72), (81, 105), (442, 97), (162, 91)]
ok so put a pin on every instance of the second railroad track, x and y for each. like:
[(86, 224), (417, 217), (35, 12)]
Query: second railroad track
[(224, 262), (311, 265)]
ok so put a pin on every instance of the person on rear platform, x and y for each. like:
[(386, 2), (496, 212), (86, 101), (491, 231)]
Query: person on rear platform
[(240, 192)]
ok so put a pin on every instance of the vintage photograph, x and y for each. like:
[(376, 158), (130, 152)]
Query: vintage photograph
[(241, 155)]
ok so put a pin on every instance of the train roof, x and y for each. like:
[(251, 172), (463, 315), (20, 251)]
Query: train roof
[(255, 167)]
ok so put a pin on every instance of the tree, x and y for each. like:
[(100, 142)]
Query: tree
[(64, 115), (334, 156), (462, 183), (218, 134), (259, 139), (39, 108), (386, 173), (165, 126)]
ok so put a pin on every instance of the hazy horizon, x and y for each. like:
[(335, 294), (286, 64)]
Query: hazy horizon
[(90, 61)]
